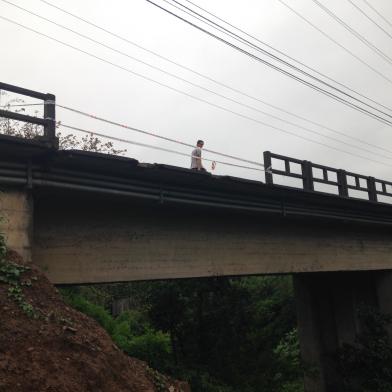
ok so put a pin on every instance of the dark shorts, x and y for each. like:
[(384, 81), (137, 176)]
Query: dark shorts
[(196, 169)]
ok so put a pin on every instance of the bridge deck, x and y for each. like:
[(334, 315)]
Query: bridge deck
[(29, 163)]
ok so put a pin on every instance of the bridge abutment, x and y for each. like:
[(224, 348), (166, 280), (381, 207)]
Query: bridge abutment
[(16, 213), (327, 310)]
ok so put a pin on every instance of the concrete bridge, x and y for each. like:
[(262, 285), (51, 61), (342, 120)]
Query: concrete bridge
[(92, 218), (89, 218)]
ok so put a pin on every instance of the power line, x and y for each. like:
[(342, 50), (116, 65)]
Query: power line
[(354, 32), (334, 41), (193, 84), (149, 133), (155, 147), (313, 86), (145, 133), (253, 46), (22, 104), (191, 96), (286, 55), (220, 83), (378, 13), (369, 18), (237, 37), (198, 86)]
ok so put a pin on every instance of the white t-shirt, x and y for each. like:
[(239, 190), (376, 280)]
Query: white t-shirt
[(196, 155)]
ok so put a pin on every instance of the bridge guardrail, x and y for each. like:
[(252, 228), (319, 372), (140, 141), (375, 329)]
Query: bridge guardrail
[(339, 178), (49, 120)]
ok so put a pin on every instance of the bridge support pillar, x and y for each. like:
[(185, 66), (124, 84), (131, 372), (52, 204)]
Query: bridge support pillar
[(16, 219), (327, 305)]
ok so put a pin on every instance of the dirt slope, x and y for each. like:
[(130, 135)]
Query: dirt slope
[(51, 347)]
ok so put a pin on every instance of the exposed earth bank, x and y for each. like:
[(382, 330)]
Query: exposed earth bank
[(46, 346)]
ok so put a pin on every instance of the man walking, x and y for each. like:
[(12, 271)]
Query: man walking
[(196, 163)]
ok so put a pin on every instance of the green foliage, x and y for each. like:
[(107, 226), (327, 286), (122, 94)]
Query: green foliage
[(96, 312), (288, 352), (16, 293), (3, 248), (135, 321), (158, 379), (292, 386), (366, 366), (222, 335), (203, 381), (153, 347), (131, 331), (226, 329), (10, 274), (89, 142), (134, 334), (94, 294), (289, 369)]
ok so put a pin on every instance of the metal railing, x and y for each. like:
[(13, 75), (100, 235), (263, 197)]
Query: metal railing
[(48, 121), (342, 180)]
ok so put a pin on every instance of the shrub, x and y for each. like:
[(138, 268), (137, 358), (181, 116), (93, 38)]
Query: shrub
[(97, 312), (152, 347)]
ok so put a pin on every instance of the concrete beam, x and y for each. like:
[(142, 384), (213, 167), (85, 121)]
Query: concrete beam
[(90, 241)]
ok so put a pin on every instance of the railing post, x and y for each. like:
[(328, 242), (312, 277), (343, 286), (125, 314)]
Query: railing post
[(267, 167), (50, 118), (307, 176), (342, 183), (372, 191)]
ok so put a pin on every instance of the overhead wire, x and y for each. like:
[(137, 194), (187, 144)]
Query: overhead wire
[(356, 34), (111, 122), (377, 12), (369, 18), (252, 45), (281, 70), (197, 85), (335, 41), (150, 133), (22, 104), (190, 95), (223, 84), (118, 139), (285, 54)]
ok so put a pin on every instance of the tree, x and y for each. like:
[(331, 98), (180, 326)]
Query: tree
[(366, 365), (89, 142), (224, 331), (221, 334)]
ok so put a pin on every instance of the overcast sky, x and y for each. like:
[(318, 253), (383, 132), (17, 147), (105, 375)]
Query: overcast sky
[(79, 81)]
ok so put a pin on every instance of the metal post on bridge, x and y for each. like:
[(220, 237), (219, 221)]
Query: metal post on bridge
[(342, 183), (307, 176), (267, 167), (50, 117), (372, 191)]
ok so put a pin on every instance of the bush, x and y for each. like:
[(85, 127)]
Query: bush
[(130, 331), (96, 312), (152, 347), (288, 363), (220, 334)]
